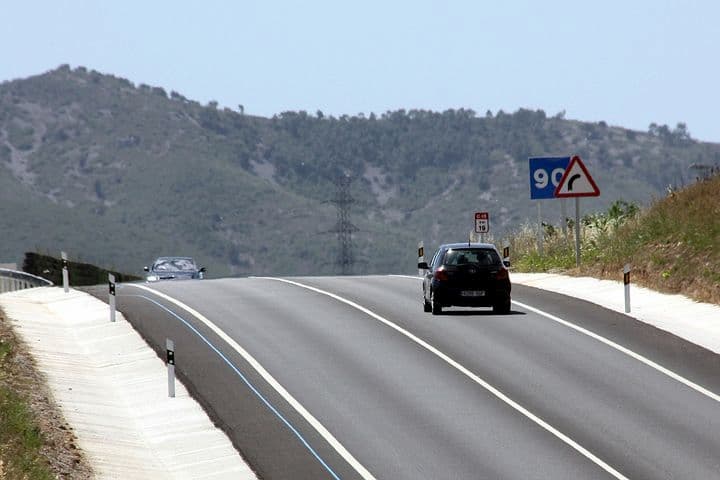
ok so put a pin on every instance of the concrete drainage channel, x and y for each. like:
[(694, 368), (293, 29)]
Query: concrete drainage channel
[(113, 390)]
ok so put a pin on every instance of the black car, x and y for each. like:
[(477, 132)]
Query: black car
[(466, 275), (174, 268)]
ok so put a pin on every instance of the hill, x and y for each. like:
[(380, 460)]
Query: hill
[(117, 174)]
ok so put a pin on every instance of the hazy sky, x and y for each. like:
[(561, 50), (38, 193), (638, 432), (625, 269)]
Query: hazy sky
[(628, 63)]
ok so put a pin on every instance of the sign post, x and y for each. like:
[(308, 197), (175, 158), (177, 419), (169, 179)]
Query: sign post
[(540, 233), (563, 224), (65, 276), (577, 231), (111, 295), (576, 182)]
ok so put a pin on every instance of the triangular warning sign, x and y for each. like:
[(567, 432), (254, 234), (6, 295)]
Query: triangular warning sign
[(576, 181)]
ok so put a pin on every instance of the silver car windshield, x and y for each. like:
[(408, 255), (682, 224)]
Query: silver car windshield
[(174, 265)]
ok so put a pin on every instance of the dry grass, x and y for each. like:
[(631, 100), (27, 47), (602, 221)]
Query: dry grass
[(673, 246)]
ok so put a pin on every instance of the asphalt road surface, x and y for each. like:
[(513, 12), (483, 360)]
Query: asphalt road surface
[(352, 380)]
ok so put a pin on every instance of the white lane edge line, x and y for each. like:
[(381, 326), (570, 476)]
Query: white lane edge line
[(497, 393), (656, 366), (640, 358), (334, 443)]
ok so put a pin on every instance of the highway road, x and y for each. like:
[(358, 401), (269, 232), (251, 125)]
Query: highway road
[(346, 377)]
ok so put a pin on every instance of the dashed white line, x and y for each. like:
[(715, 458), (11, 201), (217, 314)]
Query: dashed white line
[(625, 350)]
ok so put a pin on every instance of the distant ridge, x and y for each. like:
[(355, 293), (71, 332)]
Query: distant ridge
[(119, 173)]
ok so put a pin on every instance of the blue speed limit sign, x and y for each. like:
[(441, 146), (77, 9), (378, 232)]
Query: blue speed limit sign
[(545, 175)]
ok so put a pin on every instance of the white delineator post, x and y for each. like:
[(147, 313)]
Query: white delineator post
[(66, 279), (111, 295), (626, 281), (421, 256), (170, 352)]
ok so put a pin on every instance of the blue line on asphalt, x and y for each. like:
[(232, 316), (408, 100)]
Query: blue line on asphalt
[(247, 382)]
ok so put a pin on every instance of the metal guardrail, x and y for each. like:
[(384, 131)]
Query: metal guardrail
[(12, 280)]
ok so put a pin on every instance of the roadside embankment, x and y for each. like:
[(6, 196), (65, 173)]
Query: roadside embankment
[(36, 442), (112, 389)]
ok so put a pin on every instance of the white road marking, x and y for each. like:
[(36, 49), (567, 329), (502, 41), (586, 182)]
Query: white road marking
[(626, 351), (334, 443), (516, 406), (640, 358)]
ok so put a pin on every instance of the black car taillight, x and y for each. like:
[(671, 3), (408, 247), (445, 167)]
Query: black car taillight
[(440, 275), (502, 274)]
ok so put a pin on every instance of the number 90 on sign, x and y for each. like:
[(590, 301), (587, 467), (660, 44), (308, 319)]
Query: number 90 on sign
[(541, 177), (545, 175)]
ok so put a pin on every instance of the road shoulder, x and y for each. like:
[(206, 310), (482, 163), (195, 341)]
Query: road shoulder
[(693, 321)]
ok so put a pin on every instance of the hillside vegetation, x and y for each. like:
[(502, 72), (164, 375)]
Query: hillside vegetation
[(673, 245), (118, 174)]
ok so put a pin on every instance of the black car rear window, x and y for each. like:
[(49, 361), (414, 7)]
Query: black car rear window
[(474, 256)]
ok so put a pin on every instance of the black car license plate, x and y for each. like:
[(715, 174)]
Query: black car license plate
[(472, 293)]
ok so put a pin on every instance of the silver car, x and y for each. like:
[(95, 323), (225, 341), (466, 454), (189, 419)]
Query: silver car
[(174, 268)]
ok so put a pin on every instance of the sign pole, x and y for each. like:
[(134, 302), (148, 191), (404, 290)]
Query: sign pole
[(539, 230), (563, 222), (577, 231)]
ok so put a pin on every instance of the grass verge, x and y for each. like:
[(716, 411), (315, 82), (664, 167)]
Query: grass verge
[(20, 436), (673, 246), (35, 440)]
